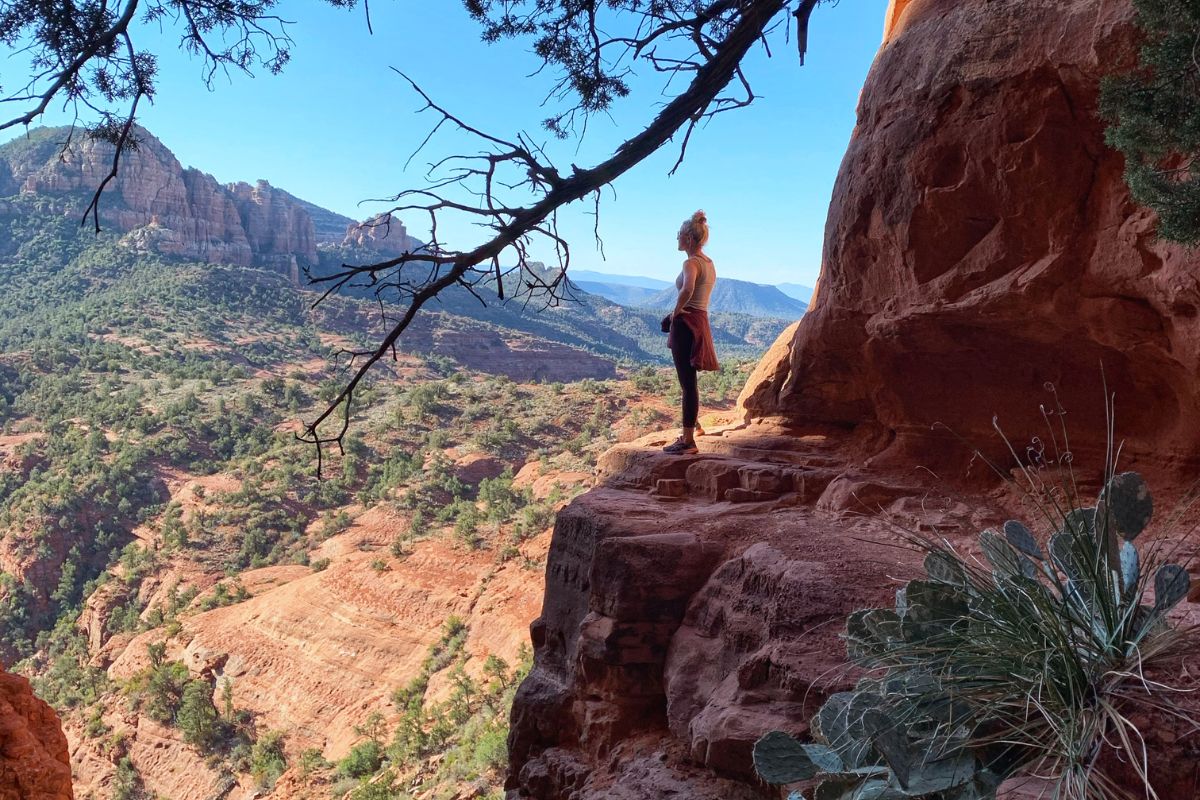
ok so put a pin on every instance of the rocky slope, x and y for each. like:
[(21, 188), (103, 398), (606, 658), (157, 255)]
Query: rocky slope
[(980, 246), (311, 653), (33, 750), (164, 207)]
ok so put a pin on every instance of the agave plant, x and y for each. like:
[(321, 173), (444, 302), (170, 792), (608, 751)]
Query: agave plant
[(1025, 660)]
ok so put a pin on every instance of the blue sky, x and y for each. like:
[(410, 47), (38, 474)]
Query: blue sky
[(337, 126)]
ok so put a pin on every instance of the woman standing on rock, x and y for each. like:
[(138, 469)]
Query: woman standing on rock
[(690, 337)]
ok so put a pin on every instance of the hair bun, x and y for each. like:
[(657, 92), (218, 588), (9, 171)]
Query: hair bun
[(700, 216)]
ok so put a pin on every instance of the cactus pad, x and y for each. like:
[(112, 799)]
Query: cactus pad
[(1128, 500)]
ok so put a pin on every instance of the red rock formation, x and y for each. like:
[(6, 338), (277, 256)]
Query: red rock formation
[(981, 243), (383, 234), (693, 604), (33, 750), (166, 208)]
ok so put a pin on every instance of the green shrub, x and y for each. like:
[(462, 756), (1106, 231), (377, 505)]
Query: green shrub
[(127, 782), (311, 760), (363, 759), (197, 716), (1030, 662), (1154, 111), (267, 760)]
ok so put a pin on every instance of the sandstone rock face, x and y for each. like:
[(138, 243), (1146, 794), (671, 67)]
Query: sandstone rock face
[(313, 653), (165, 208), (684, 624), (981, 244), (33, 750), (383, 234)]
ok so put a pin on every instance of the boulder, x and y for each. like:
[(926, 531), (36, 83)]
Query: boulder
[(983, 257), (34, 764)]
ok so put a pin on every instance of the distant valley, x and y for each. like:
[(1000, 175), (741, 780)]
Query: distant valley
[(729, 295), (211, 618), (158, 208)]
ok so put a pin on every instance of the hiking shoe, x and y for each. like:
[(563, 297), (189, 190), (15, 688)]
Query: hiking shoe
[(680, 447)]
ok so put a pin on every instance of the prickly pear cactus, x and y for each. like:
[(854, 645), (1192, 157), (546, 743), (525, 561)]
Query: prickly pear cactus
[(907, 731)]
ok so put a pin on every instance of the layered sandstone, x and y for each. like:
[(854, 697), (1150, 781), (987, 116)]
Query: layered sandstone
[(982, 257), (383, 234), (313, 652), (164, 208), (33, 750), (694, 603)]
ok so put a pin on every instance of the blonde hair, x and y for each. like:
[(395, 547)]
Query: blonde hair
[(695, 229)]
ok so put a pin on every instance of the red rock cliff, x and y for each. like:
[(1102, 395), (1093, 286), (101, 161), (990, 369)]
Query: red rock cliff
[(33, 750), (164, 207), (980, 244)]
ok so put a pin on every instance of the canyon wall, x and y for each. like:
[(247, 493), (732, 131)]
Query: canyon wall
[(982, 258)]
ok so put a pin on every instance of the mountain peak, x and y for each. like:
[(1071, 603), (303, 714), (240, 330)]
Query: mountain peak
[(161, 206)]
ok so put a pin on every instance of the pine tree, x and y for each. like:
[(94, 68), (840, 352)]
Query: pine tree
[(1154, 111), (197, 717)]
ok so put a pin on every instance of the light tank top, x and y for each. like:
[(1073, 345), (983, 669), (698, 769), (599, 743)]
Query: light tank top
[(706, 278)]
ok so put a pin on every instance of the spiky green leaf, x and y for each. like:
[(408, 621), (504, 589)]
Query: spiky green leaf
[(1005, 560), (943, 567), (1130, 566), (941, 775), (779, 758), (890, 739), (857, 787)]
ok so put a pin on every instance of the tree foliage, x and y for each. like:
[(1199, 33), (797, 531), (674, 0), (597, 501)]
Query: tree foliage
[(1155, 115)]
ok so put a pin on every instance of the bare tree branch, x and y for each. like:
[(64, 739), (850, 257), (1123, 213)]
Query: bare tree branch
[(513, 226)]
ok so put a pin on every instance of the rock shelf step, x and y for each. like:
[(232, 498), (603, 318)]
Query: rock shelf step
[(714, 474)]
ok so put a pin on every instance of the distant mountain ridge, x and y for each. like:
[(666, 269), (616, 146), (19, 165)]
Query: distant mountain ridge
[(784, 301), (742, 297), (640, 281), (175, 211), (797, 291), (630, 296)]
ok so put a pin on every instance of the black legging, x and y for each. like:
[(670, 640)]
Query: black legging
[(682, 341)]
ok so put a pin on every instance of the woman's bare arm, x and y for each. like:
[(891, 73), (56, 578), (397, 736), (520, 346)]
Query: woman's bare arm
[(691, 271)]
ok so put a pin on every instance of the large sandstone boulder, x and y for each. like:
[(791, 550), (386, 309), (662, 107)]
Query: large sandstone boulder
[(982, 245), (33, 750)]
